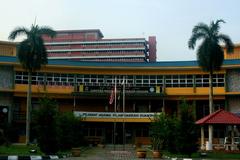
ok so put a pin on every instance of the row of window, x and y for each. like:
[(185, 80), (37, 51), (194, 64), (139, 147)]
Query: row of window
[(99, 44), (132, 51), (131, 80)]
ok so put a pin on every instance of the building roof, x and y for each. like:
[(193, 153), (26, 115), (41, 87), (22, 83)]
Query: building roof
[(82, 30), (8, 43), (167, 64), (220, 117)]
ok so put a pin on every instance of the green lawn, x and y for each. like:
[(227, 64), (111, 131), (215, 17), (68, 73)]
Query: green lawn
[(213, 155), (222, 155), (25, 150), (19, 150)]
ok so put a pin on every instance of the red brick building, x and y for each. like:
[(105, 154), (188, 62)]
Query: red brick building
[(89, 45)]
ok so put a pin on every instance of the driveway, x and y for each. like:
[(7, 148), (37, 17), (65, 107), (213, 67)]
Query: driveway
[(108, 153)]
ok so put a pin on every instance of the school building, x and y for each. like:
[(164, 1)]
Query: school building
[(142, 88)]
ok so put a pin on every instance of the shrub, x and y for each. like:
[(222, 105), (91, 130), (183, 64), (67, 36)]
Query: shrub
[(45, 125), (187, 132), (69, 129), (162, 131)]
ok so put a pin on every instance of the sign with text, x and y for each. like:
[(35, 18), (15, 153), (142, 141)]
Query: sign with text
[(113, 115)]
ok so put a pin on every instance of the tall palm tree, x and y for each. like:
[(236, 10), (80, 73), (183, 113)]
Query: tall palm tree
[(32, 54), (210, 54)]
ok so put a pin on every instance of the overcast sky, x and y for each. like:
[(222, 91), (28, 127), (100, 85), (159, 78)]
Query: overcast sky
[(171, 21)]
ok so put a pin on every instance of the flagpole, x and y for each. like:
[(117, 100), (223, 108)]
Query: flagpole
[(115, 109), (124, 137)]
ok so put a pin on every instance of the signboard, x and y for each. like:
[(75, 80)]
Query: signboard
[(113, 114)]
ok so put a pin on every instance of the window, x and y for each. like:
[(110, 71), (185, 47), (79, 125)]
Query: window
[(168, 81), (138, 80), (159, 80), (145, 80)]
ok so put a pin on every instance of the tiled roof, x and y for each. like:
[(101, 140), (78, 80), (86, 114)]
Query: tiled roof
[(220, 117)]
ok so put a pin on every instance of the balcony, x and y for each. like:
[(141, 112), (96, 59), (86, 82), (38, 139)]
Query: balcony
[(115, 116)]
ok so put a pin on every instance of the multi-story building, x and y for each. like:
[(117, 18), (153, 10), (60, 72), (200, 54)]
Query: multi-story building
[(89, 45), (143, 89)]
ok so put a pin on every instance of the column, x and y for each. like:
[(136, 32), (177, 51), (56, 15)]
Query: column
[(202, 138), (210, 138)]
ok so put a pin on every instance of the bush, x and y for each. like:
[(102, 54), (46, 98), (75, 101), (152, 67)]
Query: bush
[(56, 131), (187, 132), (45, 125), (162, 132), (69, 129), (175, 134)]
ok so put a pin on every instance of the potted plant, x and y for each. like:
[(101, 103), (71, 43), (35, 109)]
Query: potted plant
[(158, 132), (76, 152), (141, 153), (157, 144)]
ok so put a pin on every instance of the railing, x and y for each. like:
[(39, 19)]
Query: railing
[(114, 114)]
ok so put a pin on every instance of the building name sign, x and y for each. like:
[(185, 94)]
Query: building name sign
[(113, 115)]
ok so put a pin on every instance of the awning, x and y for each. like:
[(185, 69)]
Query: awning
[(220, 117)]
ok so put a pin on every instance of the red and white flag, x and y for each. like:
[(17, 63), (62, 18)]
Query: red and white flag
[(111, 98)]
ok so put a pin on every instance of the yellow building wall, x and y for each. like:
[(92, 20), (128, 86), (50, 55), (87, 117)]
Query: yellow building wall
[(40, 89), (234, 55), (7, 49), (194, 91)]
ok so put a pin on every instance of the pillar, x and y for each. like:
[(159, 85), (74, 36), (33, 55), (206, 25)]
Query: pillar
[(202, 138), (210, 138), (163, 107), (232, 138)]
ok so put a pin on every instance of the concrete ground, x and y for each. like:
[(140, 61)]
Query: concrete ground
[(109, 153)]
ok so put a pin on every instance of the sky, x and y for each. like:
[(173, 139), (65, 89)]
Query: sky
[(171, 21)]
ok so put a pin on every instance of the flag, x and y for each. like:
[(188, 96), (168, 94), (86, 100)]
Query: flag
[(111, 98), (118, 103)]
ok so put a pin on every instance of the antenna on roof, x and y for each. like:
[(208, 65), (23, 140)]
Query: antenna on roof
[(35, 20)]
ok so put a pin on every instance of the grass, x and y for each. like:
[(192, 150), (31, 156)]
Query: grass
[(222, 155), (19, 150), (212, 155), (24, 150)]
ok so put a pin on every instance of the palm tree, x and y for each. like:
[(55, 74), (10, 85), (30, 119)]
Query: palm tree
[(32, 55), (210, 54)]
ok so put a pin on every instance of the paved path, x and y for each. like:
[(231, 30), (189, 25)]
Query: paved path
[(108, 153)]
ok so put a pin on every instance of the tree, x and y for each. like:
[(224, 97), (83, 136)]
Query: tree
[(210, 54), (187, 130), (163, 132), (69, 131), (45, 119), (32, 55)]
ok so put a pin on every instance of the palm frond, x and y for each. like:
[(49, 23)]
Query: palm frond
[(220, 21), (210, 56), (227, 41), (23, 53), (215, 26), (201, 28), (193, 39), (17, 32)]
